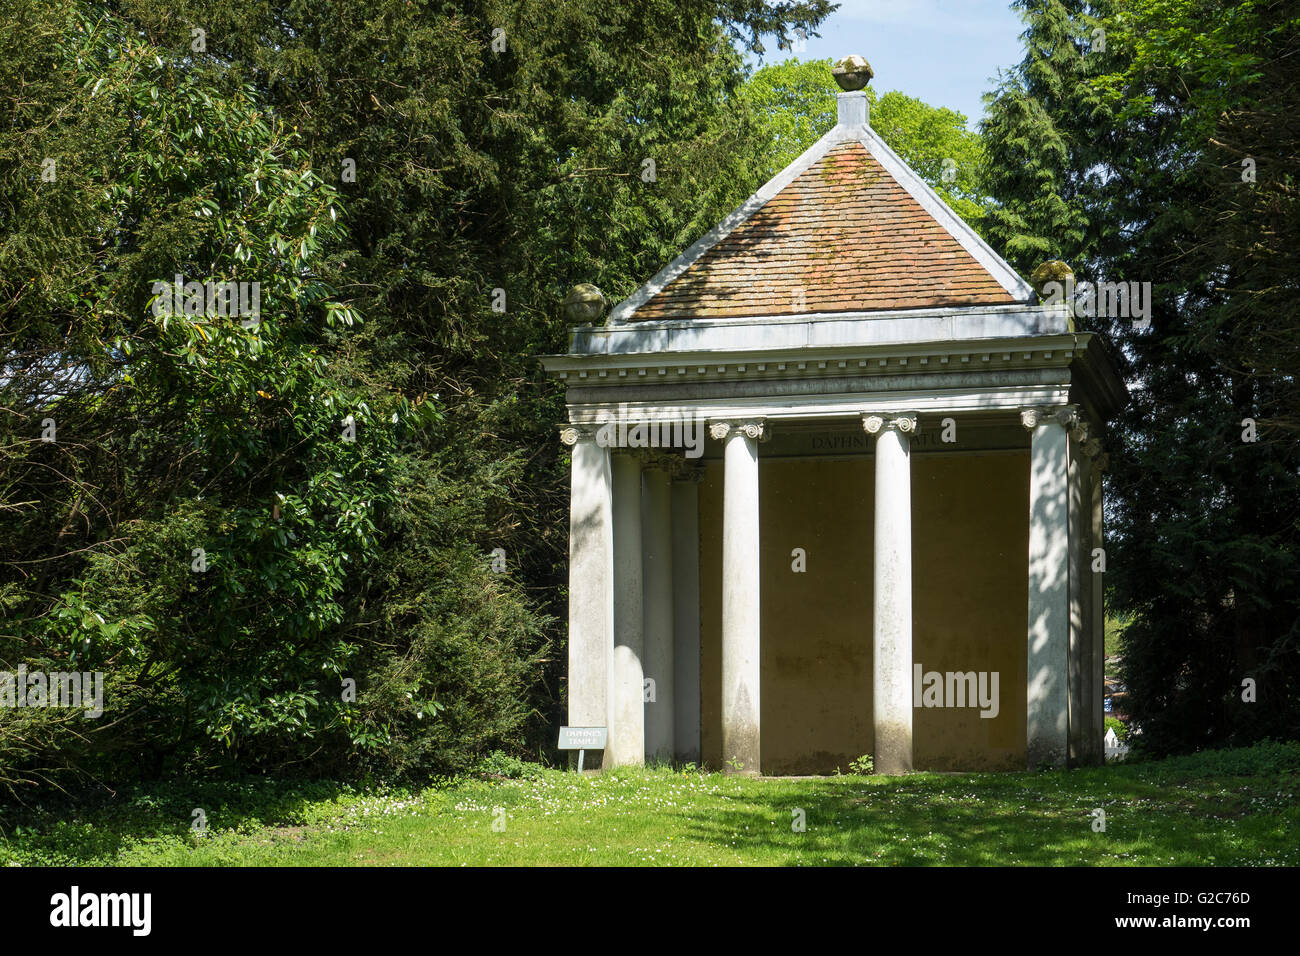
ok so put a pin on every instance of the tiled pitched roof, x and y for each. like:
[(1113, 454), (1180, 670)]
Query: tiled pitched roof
[(848, 236)]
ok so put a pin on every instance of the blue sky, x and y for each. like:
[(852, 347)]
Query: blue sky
[(945, 52)]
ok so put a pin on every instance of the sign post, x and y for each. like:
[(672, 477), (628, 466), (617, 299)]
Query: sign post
[(583, 739)]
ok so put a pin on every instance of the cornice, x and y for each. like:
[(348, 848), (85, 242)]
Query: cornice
[(1046, 351)]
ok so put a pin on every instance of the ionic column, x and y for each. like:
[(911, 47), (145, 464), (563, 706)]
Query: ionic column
[(891, 599), (686, 613), (740, 595), (657, 557), (1047, 685), (1080, 668), (627, 709), (591, 580), (1097, 643)]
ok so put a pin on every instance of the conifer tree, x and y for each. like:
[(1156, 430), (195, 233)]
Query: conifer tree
[(1126, 162)]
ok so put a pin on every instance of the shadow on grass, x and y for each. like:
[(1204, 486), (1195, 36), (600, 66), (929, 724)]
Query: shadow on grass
[(80, 829), (1152, 817), (1217, 808)]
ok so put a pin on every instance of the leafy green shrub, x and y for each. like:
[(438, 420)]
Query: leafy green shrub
[(504, 765), (1120, 728), (331, 559), (235, 519), (864, 765), (1264, 758)]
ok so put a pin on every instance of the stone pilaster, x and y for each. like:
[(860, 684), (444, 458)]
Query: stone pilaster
[(1095, 659), (1047, 713)]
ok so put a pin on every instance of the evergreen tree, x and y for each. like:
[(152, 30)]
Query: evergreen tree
[(1125, 162), (1043, 124), (796, 104), (419, 183)]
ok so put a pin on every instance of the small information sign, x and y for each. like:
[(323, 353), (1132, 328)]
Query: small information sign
[(583, 739)]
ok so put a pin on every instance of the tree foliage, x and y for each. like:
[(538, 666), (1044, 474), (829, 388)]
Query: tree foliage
[(414, 185), (796, 101), (1121, 152)]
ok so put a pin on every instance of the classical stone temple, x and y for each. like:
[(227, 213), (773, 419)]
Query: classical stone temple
[(836, 491)]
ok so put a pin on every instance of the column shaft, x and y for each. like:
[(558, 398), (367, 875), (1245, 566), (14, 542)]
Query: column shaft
[(892, 603), (686, 619), (1080, 670), (1047, 683), (591, 586), (740, 604), (657, 532), (627, 710), (1097, 663)]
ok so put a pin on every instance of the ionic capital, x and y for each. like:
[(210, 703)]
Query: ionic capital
[(754, 428), (1067, 416), (571, 434), (906, 422)]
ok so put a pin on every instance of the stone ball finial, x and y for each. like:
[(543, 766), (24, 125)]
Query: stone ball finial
[(1054, 270), (852, 72), (584, 303)]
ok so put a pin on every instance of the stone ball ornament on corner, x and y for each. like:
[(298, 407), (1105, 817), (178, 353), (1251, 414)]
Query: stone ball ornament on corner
[(852, 73), (584, 304), (1054, 270)]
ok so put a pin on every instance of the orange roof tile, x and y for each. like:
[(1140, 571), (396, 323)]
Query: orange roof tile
[(847, 235)]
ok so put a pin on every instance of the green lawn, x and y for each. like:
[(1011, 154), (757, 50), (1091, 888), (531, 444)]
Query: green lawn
[(1204, 810)]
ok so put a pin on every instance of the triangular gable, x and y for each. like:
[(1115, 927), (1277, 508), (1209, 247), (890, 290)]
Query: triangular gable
[(847, 227)]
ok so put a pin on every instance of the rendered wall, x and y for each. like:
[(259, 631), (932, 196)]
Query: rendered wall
[(970, 591), (970, 555)]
